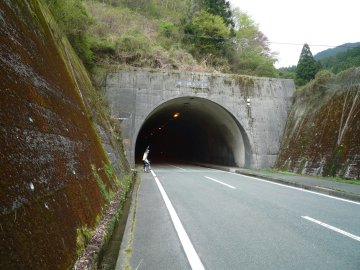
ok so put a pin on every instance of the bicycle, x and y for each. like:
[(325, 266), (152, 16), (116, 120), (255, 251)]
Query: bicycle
[(147, 167)]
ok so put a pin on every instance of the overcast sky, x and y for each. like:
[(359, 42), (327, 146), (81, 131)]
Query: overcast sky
[(315, 22)]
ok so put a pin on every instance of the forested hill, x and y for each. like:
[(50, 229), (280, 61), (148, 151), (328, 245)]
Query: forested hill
[(333, 51), (194, 35), (342, 60)]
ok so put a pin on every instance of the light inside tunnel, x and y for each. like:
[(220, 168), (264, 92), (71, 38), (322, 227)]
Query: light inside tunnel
[(205, 132)]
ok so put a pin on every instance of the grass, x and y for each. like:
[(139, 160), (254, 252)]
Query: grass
[(280, 171), (106, 195), (83, 236)]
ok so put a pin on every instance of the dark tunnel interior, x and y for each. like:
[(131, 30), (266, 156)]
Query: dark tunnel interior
[(190, 129)]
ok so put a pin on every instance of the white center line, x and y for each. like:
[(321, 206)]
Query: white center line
[(357, 238), (177, 167), (189, 249), (212, 179)]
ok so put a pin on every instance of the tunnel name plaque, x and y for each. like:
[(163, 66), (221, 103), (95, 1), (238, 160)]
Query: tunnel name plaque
[(192, 84)]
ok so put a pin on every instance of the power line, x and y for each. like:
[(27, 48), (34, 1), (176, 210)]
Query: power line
[(313, 45), (274, 42)]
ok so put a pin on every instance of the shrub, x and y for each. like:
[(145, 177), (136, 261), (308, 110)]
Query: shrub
[(103, 46), (167, 29), (136, 43), (324, 75)]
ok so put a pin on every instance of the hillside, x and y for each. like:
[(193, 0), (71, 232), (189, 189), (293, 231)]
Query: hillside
[(335, 60), (342, 60), (333, 51), (192, 35)]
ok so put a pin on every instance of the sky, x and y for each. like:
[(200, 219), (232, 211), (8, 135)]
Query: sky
[(315, 22)]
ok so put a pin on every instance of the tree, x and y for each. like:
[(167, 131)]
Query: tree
[(220, 8), (250, 53), (342, 60), (207, 34), (287, 72), (307, 66)]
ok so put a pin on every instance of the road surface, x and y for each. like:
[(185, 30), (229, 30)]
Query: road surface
[(188, 217)]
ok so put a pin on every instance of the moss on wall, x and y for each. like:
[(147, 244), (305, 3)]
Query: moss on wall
[(245, 83), (48, 142), (323, 128)]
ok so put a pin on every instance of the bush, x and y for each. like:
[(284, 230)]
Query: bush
[(136, 43), (323, 75), (103, 46), (167, 29)]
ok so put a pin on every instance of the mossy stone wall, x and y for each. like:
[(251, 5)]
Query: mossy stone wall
[(323, 128), (48, 144)]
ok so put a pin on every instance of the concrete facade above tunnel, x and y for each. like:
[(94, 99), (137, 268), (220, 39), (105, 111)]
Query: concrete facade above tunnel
[(253, 109)]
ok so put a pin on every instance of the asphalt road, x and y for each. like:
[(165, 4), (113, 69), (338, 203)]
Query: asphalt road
[(232, 221)]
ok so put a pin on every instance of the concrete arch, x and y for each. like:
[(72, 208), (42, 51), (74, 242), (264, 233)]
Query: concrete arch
[(250, 108), (204, 131)]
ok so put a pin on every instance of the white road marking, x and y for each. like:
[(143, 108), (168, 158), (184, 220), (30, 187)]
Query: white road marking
[(189, 249), (296, 188), (139, 264), (212, 179), (178, 167), (357, 238)]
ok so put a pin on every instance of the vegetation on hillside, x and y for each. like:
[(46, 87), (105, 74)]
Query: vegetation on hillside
[(196, 35), (333, 51), (74, 20), (188, 35), (287, 72), (342, 61), (334, 61)]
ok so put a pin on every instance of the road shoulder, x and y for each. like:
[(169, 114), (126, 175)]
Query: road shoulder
[(150, 240)]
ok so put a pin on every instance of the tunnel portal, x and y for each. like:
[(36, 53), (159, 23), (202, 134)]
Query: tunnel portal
[(223, 118), (193, 129)]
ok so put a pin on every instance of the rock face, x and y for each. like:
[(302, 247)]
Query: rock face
[(323, 128), (49, 148)]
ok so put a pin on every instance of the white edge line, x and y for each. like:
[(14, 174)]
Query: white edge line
[(189, 249), (357, 238), (212, 179), (296, 188)]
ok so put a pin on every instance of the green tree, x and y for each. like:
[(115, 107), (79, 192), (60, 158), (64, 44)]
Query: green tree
[(342, 60), (250, 51), (206, 34), (220, 8), (307, 66), (287, 72)]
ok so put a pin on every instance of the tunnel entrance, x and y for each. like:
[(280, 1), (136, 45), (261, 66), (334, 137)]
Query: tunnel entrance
[(193, 129)]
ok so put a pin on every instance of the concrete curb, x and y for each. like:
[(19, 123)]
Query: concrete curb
[(335, 193), (124, 257)]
